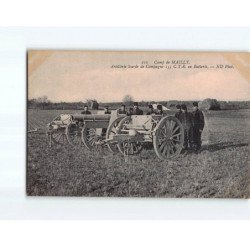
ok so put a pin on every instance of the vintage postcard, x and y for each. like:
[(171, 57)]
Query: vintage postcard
[(138, 124)]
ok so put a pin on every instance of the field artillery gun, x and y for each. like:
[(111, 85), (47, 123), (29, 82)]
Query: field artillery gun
[(166, 133), (75, 129), (127, 134)]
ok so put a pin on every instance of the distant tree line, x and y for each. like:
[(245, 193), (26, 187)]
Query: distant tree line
[(44, 103), (207, 104)]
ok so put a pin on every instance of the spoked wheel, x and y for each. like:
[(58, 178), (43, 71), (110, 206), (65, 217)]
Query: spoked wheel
[(58, 136), (168, 139), (89, 137), (127, 147), (73, 134), (111, 131), (130, 148)]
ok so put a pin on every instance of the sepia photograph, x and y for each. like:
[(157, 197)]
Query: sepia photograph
[(168, 124)]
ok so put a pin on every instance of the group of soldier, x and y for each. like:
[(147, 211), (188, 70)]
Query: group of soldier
[(192, 122), (135, 110), (87, 112)]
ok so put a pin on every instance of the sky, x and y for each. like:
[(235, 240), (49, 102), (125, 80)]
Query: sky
[(79, 75)]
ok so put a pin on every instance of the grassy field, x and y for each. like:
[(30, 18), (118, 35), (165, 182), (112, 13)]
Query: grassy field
[(221, 169)]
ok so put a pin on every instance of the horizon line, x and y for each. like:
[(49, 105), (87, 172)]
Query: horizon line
[(181, 100)]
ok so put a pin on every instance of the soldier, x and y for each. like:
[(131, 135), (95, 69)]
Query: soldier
[(122, 111), (136, 110), (199, 124), (159, 109), (151, 110), (86, 111), (106, 110), (130, 112), (186, 119), (178, 113)]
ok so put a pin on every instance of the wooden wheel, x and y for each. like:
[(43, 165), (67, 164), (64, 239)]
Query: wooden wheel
[(168, 138), (127, 147), (57, 129), (111, 131), (130, 148), (58, 136), (89, 137), (73, 134)]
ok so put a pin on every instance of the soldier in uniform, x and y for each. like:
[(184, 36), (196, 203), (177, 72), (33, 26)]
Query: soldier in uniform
[(130, 112), (122, 111), (178, 113), (186, 119), (151, 110), (106, 110), (86, 110), (136, 110), (199, 123), (159, 109)]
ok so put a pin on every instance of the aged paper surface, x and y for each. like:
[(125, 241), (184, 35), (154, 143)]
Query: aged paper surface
[(138, 123)]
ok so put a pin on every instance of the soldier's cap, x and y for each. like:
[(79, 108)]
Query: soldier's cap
[(150, 106), (135, 103), (195, 104), (184, 106), (159, 106), (178, 106), (106, 107), (85, 106)]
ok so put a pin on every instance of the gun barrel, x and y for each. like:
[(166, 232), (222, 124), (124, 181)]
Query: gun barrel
[(91, 117)]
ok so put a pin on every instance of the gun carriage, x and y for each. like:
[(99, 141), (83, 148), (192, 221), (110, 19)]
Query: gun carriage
[(126, 134)]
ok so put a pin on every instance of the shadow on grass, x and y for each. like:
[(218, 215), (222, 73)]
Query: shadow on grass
[(222, 145)]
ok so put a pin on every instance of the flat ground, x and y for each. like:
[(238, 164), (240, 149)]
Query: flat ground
[(221, 169)]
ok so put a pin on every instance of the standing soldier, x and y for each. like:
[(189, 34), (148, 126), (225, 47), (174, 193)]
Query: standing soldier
[(136, 110), (199, 124), (178, 113), (86, 111), (151, 110), (122, 111), (186, 119), (130, 111), (106, 110), (159, 109)]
